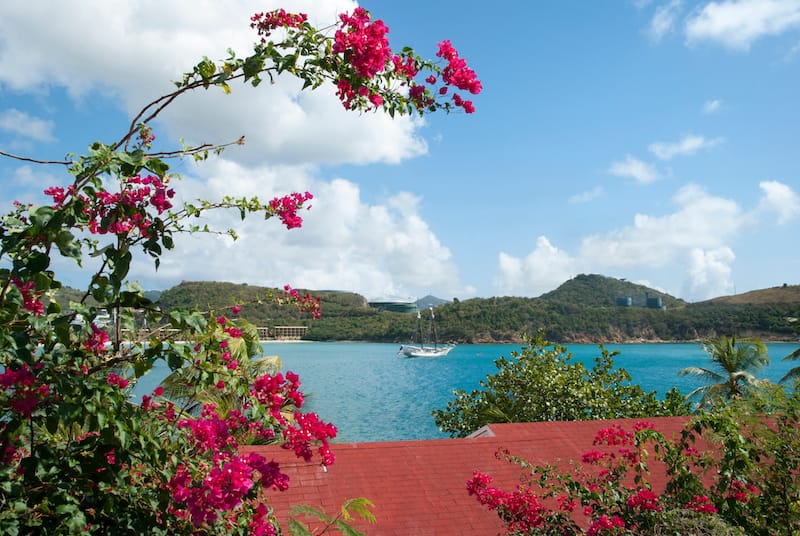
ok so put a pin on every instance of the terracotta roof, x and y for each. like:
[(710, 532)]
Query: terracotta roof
[(419, 487)]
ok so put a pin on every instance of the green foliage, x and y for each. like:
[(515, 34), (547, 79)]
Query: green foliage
[(744, 444), (732, 471), (735, 366), (77, 455), (600, 291), (683, 522), (574, 317), (327, 523), (543, 383)]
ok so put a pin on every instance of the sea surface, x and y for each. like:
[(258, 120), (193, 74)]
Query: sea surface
[(372, 394)]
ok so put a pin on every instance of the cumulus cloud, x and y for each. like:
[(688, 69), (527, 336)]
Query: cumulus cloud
[(542, 270), (33, 181), (710, 273), (701, 220), (133, 57), (696, 238), (23, 124), (631, 167), (345, 243), (737, 24), (712, 106), (687, 146), (663, 21), (779, 199)]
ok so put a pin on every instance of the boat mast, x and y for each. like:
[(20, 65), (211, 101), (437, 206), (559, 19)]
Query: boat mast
[(433, 329), (419, 329)]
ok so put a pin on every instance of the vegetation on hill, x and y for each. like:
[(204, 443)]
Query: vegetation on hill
[(583, 309), (782, 294), (594, 290)]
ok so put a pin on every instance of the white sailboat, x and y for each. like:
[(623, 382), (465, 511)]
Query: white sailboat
[(423, 349)]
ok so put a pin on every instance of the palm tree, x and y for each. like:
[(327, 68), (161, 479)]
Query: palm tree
[(735, 365), (795, 372)]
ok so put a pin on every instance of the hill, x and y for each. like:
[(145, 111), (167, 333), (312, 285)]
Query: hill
[(594, 290), (782, 294), (583, 309)]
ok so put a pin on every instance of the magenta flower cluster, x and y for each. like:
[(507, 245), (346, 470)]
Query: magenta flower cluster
[(265, 23), (613, 501), (22, 390), (202, 496), (30, 298), (122, 212), (306, 302), (458, 74), (286, 208)]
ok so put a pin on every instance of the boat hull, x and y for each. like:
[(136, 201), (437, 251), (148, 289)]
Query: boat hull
[(425, 351)]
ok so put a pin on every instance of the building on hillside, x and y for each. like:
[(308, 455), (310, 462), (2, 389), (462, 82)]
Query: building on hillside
[(396, 306), (419, 487), (284, 333)]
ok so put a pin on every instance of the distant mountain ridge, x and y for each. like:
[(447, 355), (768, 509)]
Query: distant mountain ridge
[(585, 309)]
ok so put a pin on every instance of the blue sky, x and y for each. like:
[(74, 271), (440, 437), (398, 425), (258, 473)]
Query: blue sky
[(655, 141)]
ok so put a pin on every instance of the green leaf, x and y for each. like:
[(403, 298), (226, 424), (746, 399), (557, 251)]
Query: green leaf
[(252, 66), (40, 216), (297, 528), (174, 361), (157, 166), (52, 423), (37, 262), (67, 245)]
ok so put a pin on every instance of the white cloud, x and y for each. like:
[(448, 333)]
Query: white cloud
[(32, 181), (710, 273), (542, 270), (779, 199), (23, 124), (344, 243), (280, 124), (585, 197), (694, 239), (376, 249), (737, 24), (712, 106), (663, 21), (700, 221), (634, 168), (688, 145)]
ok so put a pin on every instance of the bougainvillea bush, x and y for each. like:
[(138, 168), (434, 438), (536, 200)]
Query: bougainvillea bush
[(734, 471), (78, 456)]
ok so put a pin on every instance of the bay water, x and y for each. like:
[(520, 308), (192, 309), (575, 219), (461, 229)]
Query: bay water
[(372, 394)]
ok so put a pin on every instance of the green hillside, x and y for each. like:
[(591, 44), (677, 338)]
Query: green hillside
[(594, 290), (583, 309), (782, 294)]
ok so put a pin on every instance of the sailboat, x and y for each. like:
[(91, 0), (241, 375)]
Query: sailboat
[(426, 349)]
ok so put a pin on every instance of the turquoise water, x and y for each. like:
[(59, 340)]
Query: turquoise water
[(371, 394)]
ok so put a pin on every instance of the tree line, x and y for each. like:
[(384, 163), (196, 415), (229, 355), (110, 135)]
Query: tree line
[(574, 316)]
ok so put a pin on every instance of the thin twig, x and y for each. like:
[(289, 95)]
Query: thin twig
[(35, 161)]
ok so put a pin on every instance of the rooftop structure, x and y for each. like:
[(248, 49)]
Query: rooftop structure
[(419, 487)]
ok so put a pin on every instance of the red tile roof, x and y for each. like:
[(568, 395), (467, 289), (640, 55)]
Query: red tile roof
[(419, 487)]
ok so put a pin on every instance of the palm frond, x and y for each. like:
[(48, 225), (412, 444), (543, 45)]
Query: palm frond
[(702, 372), (793, 355)]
